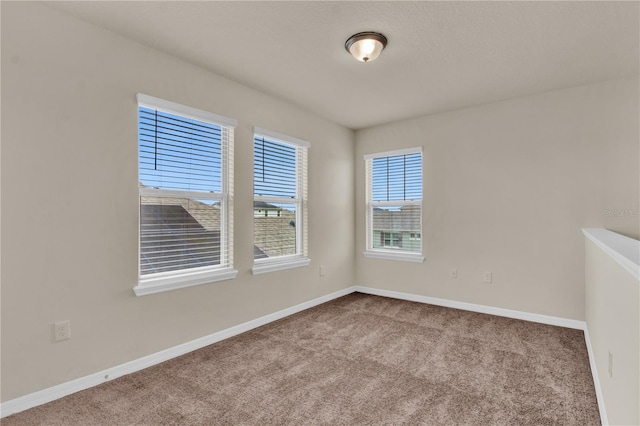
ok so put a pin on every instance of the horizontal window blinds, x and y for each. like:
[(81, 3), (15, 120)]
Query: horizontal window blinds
[(183, 185), (274, 168), (394, 195), (397, 178), (398, 222), (177, 234), (274, 228), (179, 153), (279, 208)]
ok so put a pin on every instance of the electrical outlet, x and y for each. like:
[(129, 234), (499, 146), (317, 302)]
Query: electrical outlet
[(322, 271), (610, 364), (486, 277), (453, 273), (62, 330)]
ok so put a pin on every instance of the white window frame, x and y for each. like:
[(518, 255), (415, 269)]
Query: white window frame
[(172, 280), (261, 266), (381, 253)]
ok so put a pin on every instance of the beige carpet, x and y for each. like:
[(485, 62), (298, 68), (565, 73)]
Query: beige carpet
[(358, 360)]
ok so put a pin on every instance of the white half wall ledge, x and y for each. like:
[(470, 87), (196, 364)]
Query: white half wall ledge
[(622, 249), (56, 392)]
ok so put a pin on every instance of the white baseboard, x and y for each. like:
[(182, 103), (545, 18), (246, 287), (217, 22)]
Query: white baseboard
[(596, 380), (55, 392), (501, 312)]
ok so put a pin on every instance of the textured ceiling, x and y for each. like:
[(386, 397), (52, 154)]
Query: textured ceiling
[(441, 55)]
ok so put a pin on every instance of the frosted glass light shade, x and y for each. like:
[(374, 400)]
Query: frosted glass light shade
[(366, 46)]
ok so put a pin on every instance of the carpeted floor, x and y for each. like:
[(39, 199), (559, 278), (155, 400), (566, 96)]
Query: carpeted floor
[(358, 360)]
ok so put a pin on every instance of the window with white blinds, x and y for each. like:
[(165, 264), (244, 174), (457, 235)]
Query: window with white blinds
[(280, 201), (185, 159), (394, 204)]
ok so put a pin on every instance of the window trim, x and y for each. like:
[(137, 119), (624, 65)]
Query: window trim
[(172, 280), (185, 111), (261, 266), (279, 137), (381, 253), (165, 281), (394, 255)]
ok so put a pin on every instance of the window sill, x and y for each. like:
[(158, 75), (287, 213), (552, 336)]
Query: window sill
[(160, 283), (262, 267), (392, 255)]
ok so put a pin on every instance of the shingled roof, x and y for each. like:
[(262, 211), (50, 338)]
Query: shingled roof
[(172, 239), (189, 231), (407, 218)]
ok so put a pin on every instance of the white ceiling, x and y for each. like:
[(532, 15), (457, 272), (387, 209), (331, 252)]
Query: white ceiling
[(441, 55)]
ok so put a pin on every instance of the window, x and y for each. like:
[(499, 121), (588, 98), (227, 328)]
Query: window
[(390, 239), (185, 169), (279, 201), (394, 205)]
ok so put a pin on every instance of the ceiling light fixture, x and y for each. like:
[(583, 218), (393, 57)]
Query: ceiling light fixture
[(365, 46)]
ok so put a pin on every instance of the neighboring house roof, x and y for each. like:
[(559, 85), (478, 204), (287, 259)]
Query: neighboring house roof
[(172, 239), (170, 216), (263, 205), (405, 219), (258, 254), (207, 215)]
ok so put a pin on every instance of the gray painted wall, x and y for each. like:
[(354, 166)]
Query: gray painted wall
[(70, 201), (507, 188)]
